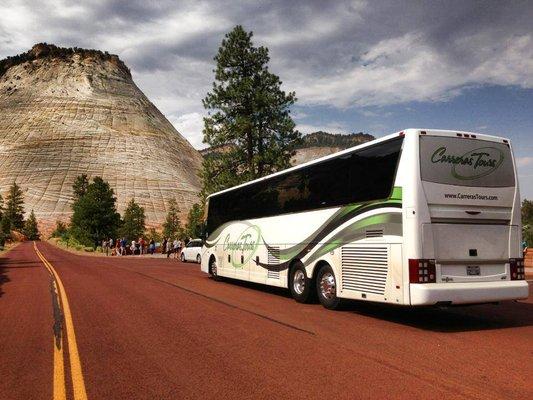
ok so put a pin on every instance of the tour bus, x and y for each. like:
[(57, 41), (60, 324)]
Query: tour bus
[(419, 217)]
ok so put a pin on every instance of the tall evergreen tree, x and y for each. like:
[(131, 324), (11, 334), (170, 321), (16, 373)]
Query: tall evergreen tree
[(95, 215), (249, 114), (80, 185), (194, 221), (14, 208), (133, 223), (31, 230), (172, 225), (61, 229)]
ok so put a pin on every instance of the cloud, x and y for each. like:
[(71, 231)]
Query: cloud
[(346, 54), (523, 161), (190, 126)]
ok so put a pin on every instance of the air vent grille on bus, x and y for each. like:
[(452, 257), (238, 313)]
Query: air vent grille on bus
[(373, 233), (273, 258), (364, 268)]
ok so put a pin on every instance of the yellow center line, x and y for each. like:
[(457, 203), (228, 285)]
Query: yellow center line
[(59, 367), (78, 383)]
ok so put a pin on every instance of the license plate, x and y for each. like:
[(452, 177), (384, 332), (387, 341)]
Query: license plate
[(472, 270)]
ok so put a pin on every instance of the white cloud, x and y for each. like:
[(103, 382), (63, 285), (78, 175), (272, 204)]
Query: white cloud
[(190, 126), (341, 54), (523, 161), (407, 68)]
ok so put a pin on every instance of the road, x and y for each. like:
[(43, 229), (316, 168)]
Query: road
[(160, 329)]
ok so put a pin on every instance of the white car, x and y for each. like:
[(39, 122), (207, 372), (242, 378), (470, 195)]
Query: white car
[(192, 251)]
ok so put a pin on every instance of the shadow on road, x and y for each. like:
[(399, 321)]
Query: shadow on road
[(282, 292), (451, 319)]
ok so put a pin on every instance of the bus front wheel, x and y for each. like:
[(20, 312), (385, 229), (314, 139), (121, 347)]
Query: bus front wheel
[(326, 287), (213, 270), (300, 285)]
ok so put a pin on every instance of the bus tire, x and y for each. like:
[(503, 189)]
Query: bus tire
[(213, 269), (326, 288), (300, 285)]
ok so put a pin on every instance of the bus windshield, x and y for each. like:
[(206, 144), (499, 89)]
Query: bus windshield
[(466, 162)]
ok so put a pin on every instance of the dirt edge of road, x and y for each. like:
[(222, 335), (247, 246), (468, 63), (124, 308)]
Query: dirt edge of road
[(8, 247)]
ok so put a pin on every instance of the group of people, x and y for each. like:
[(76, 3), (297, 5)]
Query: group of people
[(171, 247), (123, 247)]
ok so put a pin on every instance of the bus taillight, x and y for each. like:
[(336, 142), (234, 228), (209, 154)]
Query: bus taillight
[(517, 269), (422, 271)]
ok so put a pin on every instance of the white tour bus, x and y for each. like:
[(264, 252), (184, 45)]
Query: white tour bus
[(419, 217)]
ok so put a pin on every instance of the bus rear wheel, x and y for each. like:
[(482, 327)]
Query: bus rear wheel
[(326, 287), (300, 285)]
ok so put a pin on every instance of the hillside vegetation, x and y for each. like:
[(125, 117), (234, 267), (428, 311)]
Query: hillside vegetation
[(44, 50)]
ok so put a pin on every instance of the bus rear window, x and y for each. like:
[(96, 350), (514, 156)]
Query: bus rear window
[(465, 162)]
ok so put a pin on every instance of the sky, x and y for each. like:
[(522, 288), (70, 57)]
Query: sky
[(371, 66)]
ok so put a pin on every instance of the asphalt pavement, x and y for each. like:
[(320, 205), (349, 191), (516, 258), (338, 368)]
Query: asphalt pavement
[(156, 328)]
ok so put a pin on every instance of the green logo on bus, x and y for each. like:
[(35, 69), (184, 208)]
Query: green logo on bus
[(243, 249), (472, 164)]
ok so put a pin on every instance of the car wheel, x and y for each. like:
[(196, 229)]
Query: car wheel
[(300, 285), (326, 287), (182, 257), (198, 259)]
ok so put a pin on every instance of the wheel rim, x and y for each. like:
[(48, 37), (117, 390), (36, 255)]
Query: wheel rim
[(327, 286), (198, 259), (182, 257), (214, 268), (298, 283)]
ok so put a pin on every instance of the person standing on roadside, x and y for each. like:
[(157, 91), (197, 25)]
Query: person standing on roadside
[(169, 247), (142, 244), (164, 246), (151, 247), (180, 247), (175, 247), (123, 244)]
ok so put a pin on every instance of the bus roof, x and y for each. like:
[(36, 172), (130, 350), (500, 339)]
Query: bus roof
[(362, 146)]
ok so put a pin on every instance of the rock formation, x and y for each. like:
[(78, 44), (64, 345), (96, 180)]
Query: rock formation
[(66, 112), (320, 144), (314, 145)]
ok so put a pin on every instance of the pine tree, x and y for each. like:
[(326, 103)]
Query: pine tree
[(95, 215), (249, 114), (194, 221), (154, 235), (14, 208), (61, 230), (172, 225), (31, 230), (80, 185), (133, 223)]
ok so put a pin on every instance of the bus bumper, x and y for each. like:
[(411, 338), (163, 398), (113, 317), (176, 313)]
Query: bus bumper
[(467, 293)]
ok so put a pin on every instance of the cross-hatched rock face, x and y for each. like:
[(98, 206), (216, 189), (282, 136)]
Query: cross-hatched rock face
[(83, 114)]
